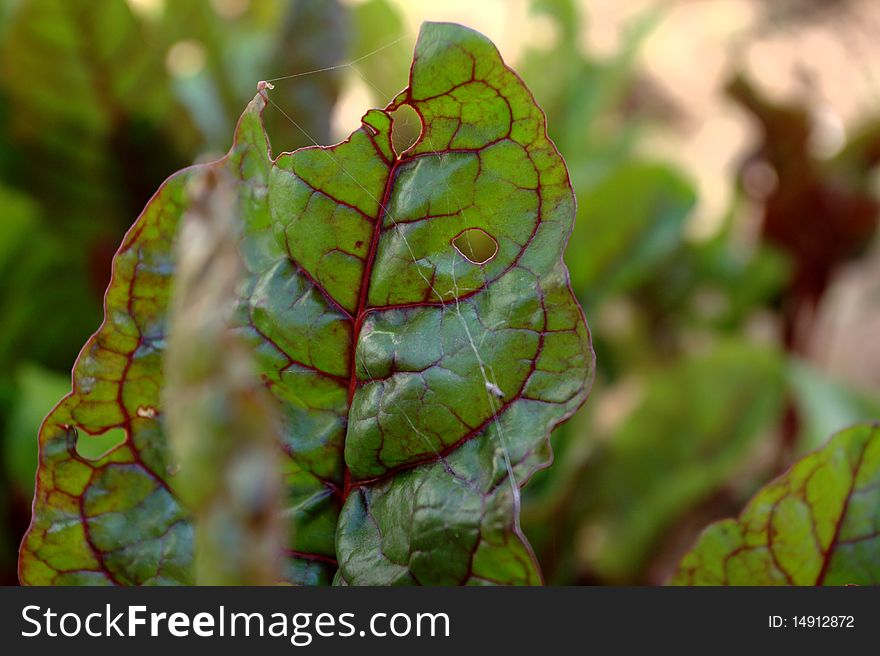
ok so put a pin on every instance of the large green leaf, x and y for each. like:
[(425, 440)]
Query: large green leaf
[(818, 524), (417, 388)]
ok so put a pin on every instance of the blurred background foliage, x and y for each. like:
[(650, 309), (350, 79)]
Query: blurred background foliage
[(725, 248)]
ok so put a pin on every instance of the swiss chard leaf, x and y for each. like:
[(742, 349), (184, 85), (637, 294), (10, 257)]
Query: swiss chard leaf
[(818, 524), (417, 378)]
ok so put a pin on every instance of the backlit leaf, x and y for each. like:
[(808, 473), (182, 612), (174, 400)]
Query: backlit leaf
[(416, 388)]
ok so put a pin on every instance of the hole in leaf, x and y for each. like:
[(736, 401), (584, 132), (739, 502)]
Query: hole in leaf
[(476, 245), (406, 128), (95, 447), (147, 411)]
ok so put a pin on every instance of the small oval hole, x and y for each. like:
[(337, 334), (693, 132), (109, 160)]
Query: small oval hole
[(476, 245), (406, 128), (95, 447)]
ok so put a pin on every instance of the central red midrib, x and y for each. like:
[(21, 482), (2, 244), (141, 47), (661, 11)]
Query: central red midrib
[(361, 310)]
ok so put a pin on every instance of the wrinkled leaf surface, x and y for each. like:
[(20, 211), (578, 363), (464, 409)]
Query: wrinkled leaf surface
[(417, 388)]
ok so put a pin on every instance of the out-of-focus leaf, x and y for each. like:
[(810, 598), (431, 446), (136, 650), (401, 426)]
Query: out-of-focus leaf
[(714, 284), (308, 26), (36, 389), (220, 419), (93, 130), (634, 218), (417, 387), (565, 15), (18, 220), (100, 130), (696, 425), (744, 280), (261, 40), (379, 29), (36, 284), (825, 405), (586, 94), (817, 524)]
